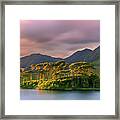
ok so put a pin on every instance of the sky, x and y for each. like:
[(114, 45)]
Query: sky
[(58, 38)]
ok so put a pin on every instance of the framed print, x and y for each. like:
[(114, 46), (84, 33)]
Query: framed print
[(59, 59)]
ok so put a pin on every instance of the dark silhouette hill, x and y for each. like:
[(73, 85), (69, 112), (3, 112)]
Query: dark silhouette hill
[(35, 59), (86, 55)]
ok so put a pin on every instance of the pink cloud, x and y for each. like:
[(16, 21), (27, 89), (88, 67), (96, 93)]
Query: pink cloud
[(58, 37)]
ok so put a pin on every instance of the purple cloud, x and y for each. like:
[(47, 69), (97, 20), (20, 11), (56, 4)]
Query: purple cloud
[(58, 37)]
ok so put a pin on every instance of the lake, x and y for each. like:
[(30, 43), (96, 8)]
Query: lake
[(31, 94)]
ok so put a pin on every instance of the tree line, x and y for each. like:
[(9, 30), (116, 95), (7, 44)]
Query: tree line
[(60, 76)]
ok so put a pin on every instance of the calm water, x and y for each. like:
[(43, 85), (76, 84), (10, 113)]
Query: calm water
[(30, 94)]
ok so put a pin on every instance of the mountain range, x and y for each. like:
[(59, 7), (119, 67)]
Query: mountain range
[(86, 55)]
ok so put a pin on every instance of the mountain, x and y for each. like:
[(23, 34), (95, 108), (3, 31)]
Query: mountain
[(79, 56), (96, 53), (35, 59), (86, 55)]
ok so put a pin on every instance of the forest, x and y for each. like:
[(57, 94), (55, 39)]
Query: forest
[(60, 76)]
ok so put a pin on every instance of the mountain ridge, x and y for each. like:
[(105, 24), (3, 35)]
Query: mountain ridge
[(86, 55)]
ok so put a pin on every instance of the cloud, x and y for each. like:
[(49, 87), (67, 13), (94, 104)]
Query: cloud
[(57, 37), (78, 37)]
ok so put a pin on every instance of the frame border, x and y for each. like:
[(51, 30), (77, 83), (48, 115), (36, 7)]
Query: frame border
[(60, 2)]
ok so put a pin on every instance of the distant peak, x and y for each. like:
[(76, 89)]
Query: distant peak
[(86, 49), (35, 54)]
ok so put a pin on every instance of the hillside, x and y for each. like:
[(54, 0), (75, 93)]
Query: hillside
[(86, 55), (35, 59)]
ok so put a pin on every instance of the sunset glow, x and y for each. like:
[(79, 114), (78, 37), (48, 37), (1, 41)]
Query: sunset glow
[(58, 38)]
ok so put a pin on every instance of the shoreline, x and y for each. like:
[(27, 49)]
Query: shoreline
[(69, 89)]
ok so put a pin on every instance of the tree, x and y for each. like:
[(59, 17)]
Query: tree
[(32, 67)]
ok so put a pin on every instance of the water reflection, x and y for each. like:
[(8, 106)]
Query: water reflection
[(49, 91), (30, 94)]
